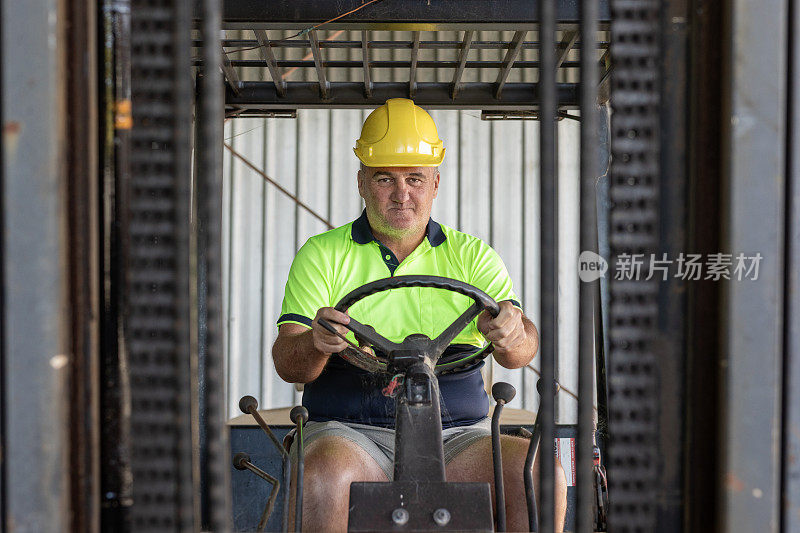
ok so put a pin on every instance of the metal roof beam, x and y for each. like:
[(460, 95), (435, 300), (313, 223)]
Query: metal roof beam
[(410, 14), (606, 66), (269, 57), (365, 57), (323, 83), (412, 76), (431, 95), (435, 45), (462, 60), (230, 73), (511, 55), (567, 42), (345, 63)]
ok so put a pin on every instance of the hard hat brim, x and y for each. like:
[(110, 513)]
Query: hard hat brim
[(401, 160)]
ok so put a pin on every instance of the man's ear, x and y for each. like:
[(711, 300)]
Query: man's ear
[(360, 177), (436, 182)]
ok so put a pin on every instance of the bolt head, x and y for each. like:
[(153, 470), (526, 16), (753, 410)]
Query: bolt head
[(400, 516), (441, 517)]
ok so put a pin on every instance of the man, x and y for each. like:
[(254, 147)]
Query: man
[(349, 436)]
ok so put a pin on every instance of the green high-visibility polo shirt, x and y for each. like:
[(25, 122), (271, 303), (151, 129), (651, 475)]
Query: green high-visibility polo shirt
[(332, 264)]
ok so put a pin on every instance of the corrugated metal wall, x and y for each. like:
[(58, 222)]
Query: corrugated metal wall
[(489, 188)]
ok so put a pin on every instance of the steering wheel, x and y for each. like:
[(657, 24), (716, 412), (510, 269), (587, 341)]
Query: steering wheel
[(416, 343)]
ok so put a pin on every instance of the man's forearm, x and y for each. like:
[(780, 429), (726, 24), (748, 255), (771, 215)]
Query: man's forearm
[(296, 358), (523, 353)]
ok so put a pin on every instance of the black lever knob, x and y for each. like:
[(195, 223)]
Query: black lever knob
[(240, 461), (503, 391), (556, 387), (299, 411), (248, 404)]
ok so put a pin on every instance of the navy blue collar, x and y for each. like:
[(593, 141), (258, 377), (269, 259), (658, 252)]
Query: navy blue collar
[(361, 232)]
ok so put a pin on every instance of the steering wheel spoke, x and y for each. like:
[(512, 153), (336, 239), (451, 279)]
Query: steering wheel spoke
[(366, 333), (415, 343), (444, 339)]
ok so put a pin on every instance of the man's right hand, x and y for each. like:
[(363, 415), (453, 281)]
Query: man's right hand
[(325, 341)]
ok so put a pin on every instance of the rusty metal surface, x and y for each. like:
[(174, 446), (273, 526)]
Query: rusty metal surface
[(752, 343), (35, 318)]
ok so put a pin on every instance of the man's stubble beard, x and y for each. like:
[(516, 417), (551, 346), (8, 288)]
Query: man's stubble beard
[(399, 233)]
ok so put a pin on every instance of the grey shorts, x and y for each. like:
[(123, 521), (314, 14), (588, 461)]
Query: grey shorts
[(378, 442)]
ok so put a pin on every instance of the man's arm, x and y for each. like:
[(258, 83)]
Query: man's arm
[(300, 353), (514, 337)]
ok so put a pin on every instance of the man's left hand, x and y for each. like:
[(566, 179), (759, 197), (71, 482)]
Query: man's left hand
[(506, 331)]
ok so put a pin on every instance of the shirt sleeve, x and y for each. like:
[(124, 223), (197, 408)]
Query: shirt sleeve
[(308, 286), (489, 274)]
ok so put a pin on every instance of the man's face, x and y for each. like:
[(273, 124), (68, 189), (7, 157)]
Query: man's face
[(398, 199)]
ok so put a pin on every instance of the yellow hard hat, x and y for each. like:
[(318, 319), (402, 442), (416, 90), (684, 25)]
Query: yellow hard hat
[(399, 134)]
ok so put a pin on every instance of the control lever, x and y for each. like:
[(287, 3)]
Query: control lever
[(502, 393), (241, 461), (527, 474), (299, 416), (249, 405)]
